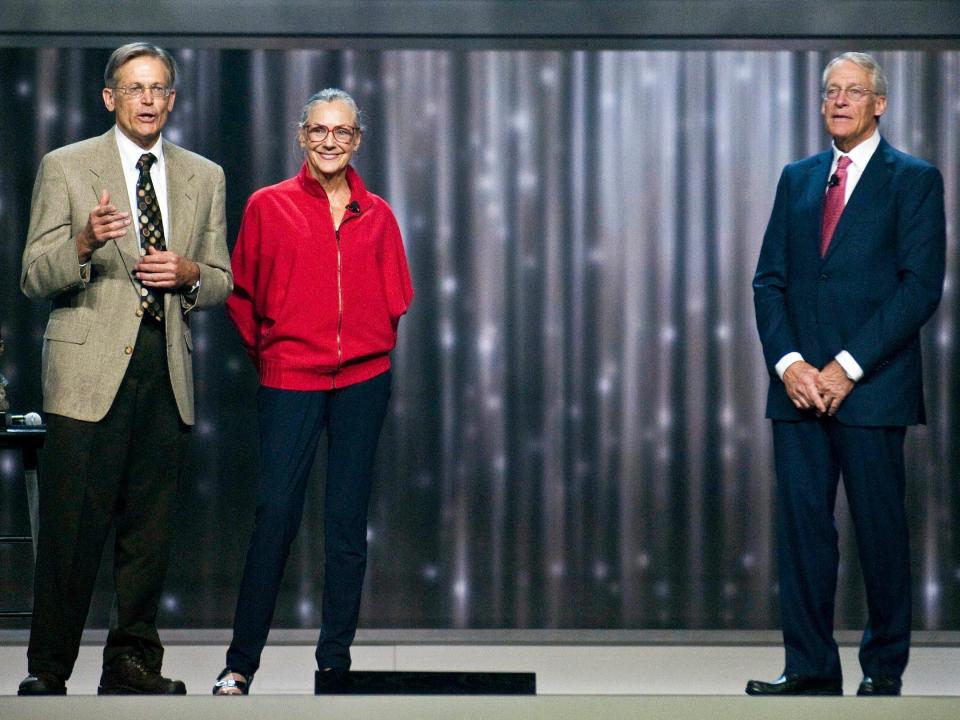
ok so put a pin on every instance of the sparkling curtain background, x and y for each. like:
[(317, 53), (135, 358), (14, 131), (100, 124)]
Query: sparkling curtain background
[(577, 434)]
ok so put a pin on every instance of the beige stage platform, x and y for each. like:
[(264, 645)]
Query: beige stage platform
[(548, 707), (597, 675)]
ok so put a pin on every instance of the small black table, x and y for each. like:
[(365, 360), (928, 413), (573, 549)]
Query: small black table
[(27, 439)]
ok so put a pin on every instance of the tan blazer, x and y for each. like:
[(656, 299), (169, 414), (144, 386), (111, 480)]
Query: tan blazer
[(94, 315)]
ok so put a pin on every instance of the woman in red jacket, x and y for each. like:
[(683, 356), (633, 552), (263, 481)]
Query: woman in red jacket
[(320, 283)]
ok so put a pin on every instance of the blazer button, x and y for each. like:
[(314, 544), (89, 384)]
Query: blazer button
[(128, 350), (139, 312)]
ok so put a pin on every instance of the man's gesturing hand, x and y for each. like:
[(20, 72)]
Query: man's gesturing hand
[(103, 224)]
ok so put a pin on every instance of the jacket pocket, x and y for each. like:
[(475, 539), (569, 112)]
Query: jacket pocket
[(66, 331)]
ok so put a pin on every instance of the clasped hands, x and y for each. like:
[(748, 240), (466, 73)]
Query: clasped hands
[(820, 390), (156, 269)]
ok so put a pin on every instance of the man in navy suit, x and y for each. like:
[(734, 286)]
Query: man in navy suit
[(851, 267)]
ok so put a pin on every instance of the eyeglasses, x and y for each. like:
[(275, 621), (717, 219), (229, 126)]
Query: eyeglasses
[(343, 134), (854, 94), (137, 91)]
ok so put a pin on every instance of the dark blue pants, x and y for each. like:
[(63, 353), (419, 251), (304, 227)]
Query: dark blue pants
[(291, 423), (810, 458)]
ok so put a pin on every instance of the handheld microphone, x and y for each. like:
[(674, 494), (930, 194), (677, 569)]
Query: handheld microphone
[(31, 419), (354, 207), (833, 181)]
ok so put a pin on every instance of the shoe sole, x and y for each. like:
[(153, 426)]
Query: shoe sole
[(41, 694), (878, 694), (135, 691), (816, 693)]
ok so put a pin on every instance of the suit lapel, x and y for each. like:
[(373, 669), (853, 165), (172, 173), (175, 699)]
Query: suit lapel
[(813, 199), (864, 197), (107, 174), (181, 199)]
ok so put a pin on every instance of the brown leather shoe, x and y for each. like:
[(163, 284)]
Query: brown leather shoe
[(791, 684), (42, 683), (127, 675)]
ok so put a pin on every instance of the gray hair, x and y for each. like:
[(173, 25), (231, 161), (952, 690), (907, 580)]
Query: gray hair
[(126, 53), (878, 77), (328, 95)]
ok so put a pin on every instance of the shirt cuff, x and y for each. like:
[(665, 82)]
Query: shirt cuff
[(850, 366), (786, 361)]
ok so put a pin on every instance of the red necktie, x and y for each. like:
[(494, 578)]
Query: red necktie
[(833, 206)]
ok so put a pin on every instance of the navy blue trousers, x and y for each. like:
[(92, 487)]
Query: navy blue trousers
[(810, 458), (290, 424)]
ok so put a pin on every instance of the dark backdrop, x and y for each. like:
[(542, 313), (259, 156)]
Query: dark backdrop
[(576, 436)]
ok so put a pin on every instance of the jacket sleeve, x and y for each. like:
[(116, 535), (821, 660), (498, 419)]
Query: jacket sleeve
[(50, 263), (770, 284), (396, 274), (921, 264), (212, 256), (241, 305)]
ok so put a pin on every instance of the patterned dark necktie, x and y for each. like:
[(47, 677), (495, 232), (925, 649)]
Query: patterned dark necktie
[(151, 230), (833, 206)]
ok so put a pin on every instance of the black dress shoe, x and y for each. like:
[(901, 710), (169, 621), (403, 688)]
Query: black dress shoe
[(42, 683), (880, 685), (331, 680), (792, 684), (127, 675)]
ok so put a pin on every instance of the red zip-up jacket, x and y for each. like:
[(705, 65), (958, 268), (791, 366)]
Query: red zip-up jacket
[(316, 308)]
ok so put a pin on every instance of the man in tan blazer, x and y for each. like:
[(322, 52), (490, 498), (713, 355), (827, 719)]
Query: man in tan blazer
[(117, 369)]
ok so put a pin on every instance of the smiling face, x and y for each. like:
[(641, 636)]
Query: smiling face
[(850, 123), (329, 157), (142, 118)]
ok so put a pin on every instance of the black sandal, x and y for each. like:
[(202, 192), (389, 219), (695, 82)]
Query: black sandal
[(229, 683)]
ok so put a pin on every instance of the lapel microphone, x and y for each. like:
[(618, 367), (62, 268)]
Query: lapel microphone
[(833, 181), (354, 207)]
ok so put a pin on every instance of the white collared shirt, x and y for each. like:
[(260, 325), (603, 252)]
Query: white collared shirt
[(130, 154), (859, 157)]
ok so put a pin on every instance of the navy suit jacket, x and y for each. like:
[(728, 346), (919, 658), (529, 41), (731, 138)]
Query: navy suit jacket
[(880, 281)]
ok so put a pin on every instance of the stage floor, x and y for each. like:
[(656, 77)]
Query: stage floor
[(545, 707), (580, 674)]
